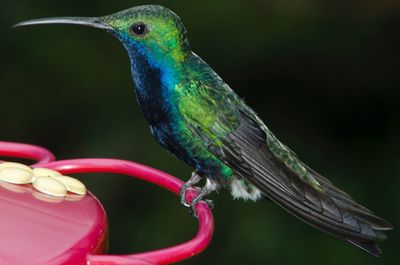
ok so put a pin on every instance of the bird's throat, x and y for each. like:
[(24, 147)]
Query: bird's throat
[(152, 83)]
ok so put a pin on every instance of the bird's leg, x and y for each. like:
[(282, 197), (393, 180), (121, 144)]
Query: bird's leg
[(194, 179), (207, 189)]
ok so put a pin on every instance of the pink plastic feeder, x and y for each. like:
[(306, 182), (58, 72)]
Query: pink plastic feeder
[(39, 229)]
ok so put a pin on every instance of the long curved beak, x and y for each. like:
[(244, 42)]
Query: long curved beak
[(85, 21)]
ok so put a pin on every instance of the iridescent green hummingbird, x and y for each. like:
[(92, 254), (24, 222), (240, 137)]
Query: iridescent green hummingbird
[(194, 114)]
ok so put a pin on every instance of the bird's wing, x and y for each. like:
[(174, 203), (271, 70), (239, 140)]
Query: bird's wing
[(232, 132)]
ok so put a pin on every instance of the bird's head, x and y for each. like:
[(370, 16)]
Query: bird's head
[(152, 31)]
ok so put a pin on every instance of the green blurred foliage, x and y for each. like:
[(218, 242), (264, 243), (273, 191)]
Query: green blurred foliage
[(324, 76)]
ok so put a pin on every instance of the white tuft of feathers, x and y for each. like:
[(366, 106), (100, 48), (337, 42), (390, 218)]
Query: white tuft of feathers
[(241, 190), (211, 185)]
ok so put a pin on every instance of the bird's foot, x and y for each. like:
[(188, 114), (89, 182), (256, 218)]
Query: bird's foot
[(202, 193), (196, 200), (182, 193), (189, 185)]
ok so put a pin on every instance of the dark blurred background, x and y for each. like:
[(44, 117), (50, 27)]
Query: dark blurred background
[(323, 75)]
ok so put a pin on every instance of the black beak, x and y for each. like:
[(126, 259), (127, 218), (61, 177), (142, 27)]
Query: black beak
[(85, 21)]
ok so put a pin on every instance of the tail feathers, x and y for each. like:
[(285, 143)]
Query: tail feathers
[(370, 247), (364, 215), (371, 227)]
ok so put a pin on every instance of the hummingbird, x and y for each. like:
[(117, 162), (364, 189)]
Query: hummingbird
[(198, 118)]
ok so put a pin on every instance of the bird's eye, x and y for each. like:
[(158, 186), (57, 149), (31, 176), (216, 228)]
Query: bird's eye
[(139, 29)]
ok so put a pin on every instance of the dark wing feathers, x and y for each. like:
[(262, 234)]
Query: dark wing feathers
[(245, 150)]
